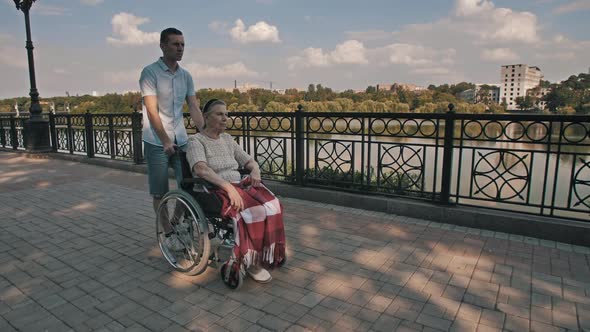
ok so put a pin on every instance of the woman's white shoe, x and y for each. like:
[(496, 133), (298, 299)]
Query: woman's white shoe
[(259, 274)]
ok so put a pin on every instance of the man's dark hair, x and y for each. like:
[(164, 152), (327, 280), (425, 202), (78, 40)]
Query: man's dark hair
[(167, 32)]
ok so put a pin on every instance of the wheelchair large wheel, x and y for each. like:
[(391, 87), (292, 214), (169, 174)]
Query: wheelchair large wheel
[(187, 247)]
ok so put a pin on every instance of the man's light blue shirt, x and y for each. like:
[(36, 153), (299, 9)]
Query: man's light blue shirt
[(171, 89)]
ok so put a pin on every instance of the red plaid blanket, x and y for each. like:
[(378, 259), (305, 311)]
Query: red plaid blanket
[(259, 229)]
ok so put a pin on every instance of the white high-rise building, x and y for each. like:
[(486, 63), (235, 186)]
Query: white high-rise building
[(516, 81)]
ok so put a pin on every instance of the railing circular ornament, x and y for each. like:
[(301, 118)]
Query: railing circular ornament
[(314, 124), (493, 130), (473, 129), (428, 128), (501, 175), (285, 124), (394, 123), (328, 124), (575, 132), (378, 126), (514, 130), (410, 127), (537, 132), (401, 166)]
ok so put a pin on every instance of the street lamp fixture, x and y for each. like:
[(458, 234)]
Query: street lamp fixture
[(36, 128)]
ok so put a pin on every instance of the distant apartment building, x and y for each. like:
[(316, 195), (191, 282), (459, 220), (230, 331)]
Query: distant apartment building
[(516, 81), (384, 87), (474, 96), (408, 87)]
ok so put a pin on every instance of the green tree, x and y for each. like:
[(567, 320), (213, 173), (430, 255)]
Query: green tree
[(310, 95), (371, 89), (525, 103)]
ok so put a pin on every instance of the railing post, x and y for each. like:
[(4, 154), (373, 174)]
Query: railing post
[(89, 134), (13, 134), (299, 146), (70, 134), (112, 137), (445, 193), (2, 133), (136, 127), (52, 131)]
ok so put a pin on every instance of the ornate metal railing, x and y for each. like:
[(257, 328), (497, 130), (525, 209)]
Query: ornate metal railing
[(12, 131), (538, 164), (531, 163)]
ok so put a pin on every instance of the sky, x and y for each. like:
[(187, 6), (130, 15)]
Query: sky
[(83, 46)]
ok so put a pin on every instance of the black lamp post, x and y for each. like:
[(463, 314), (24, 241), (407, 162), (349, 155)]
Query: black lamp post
[(36, 128)]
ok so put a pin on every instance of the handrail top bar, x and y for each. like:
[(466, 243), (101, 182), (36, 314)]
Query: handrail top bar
[(426, 116)]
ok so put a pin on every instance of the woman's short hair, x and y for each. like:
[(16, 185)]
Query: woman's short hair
[(212, 102)]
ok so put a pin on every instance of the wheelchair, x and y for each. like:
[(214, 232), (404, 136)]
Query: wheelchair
[(193, 214)]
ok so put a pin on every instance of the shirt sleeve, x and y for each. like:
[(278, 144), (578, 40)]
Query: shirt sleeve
[(147, 83), (239, 154), (190, 85), (195, 152)]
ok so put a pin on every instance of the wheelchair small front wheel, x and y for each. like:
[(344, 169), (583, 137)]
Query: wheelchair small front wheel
[(231, 274), (182, 239)]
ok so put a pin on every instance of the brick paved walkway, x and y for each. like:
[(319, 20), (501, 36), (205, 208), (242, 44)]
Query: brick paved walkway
[(78, 252)]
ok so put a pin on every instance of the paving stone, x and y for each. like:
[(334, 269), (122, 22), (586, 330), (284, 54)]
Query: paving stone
[(79, 268), (460, 325), (273, 323), (515, 323), (492, 318), (386, 323), (433, 321), (311, 299)]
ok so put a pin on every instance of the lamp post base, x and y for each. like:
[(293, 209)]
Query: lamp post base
[(37, 136)]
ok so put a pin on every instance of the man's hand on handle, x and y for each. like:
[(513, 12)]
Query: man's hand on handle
[(170, 148)]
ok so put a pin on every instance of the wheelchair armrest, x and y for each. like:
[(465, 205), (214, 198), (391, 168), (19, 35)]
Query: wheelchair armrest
[(202, 183), (199, 182)]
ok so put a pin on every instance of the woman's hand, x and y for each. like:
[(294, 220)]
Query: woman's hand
[(255, 178), (235, 199)]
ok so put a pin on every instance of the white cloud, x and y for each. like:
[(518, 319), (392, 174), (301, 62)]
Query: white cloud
[(237, 69), (259, 32), (369, 35), (432, 71), (482, 18), (573, 6), (419, 55), (11, 56), (49, 10), (314, 57), (472, 7), (561, 56), (218, 26), (348, 52), (122, 77), (127, 32), (60, 71), (91, 2), (351, 52), (499, 54)]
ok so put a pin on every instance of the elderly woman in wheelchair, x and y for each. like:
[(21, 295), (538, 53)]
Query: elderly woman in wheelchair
[(219, 210)]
